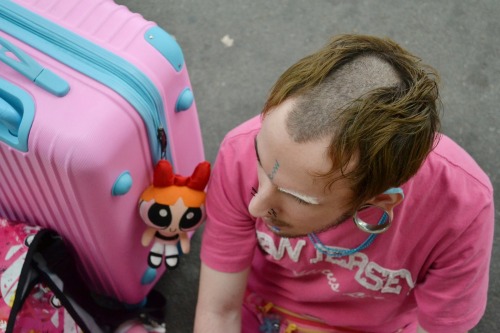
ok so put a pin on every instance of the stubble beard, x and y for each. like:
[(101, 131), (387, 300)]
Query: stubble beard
[(279, 223)]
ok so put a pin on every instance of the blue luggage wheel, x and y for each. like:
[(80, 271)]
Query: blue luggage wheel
[(148, 276)]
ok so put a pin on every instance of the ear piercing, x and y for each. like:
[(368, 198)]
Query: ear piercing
[(383, 224)]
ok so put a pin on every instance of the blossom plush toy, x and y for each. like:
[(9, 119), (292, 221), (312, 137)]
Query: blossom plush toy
[(172, 207)]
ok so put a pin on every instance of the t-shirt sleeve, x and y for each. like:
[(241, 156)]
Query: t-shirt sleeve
[(229, 237), (452, 297)]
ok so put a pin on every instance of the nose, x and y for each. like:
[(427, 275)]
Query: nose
[(263, 201)]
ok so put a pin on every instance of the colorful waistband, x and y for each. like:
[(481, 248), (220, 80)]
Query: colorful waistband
[(276, 319)]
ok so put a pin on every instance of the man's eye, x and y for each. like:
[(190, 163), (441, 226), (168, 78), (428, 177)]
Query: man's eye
[(302, 202)]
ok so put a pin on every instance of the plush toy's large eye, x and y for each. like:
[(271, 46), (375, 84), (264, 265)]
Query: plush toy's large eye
[(160, 215), (191, 218)]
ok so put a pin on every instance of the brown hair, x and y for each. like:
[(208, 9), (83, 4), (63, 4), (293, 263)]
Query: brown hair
[(384, 122)]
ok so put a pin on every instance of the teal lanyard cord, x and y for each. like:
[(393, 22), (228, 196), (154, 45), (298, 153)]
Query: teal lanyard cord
[(336, 252)]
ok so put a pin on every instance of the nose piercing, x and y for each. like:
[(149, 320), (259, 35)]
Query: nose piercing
[(272, 212)]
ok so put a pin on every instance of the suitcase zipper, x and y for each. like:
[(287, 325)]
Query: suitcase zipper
[(93, 61)]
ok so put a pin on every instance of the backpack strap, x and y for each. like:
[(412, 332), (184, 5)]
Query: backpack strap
[(57, 269), (50, 261), (29, 277)]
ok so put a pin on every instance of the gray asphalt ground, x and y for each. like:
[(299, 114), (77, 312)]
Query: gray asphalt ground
[(231, 80)]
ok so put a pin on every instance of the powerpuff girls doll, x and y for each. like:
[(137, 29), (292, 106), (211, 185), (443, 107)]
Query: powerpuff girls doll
[(171, 208)]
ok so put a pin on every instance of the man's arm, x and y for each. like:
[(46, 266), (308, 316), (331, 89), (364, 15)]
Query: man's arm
[(421, 330), (220, 298)]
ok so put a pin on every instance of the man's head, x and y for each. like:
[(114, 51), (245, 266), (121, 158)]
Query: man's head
[(375, 102), (340, 127)]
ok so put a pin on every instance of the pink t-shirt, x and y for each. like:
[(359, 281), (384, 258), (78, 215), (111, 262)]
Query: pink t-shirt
[(431, 266)]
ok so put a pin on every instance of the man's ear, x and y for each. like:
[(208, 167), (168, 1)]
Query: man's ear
[(387, 200)]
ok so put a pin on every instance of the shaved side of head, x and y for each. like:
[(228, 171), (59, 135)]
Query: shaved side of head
[(315, 112)]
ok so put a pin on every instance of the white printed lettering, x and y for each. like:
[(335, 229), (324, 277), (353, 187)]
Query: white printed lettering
[(376, 282), (266, 242), (393, 284), (332, 281), (367, 273)]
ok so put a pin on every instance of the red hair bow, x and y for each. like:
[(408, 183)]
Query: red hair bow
[(164, 176)]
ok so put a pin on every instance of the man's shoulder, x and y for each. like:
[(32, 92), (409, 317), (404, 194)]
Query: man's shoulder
[(451, 161), (237, 147), (245, 129), (241, 138)]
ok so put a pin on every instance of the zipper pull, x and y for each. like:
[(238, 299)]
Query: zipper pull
[(162, 138)]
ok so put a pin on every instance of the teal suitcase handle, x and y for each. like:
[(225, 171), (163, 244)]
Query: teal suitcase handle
[(9, 117), (17, 112), (27, 66)]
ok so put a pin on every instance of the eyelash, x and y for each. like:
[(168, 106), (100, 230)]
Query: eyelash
[(301, 202)]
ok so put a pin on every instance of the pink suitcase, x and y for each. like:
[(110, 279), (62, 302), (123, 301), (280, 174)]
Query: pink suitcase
[(91, 97)]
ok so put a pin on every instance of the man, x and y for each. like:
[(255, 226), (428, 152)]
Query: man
[(341, 208)]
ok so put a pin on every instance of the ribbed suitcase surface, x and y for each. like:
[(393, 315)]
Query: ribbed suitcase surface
[(89, 154)]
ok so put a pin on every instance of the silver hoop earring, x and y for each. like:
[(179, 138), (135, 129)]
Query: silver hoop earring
[(383, 224)]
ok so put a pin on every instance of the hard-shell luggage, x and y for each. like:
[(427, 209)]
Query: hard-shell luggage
[(91, 97)]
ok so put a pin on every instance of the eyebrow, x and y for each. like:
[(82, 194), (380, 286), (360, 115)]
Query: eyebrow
[(303, 197), (309, 199)]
